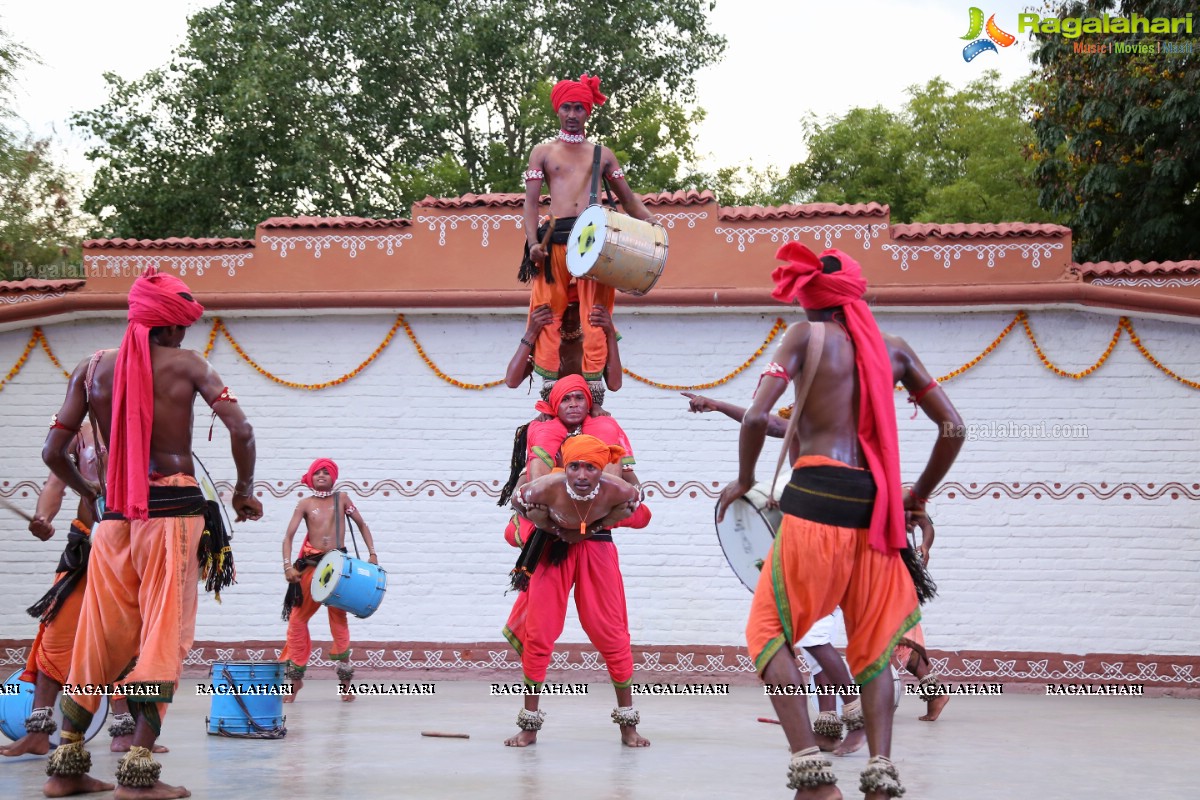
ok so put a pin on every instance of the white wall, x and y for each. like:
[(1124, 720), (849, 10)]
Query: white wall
[(1016, 572)]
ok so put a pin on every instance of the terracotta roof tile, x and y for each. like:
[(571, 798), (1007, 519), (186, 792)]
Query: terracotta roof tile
[(682, 198), (806, 211), (496, 199), (975, 230), (275, 223), (1106, 268), (173, 243), (36, 286)]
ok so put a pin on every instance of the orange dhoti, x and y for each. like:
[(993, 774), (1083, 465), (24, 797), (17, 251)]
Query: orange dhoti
[(140, 602), (50, 654), (811, 569), (595, 344), (298, 648)]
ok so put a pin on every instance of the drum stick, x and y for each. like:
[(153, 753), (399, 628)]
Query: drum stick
[(546, 241), (13, 508), (769, 721), (442, 735)]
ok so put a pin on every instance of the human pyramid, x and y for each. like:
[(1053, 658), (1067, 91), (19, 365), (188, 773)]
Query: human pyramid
[(122, 609)]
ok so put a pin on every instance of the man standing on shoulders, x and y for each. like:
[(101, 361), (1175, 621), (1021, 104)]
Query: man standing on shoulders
[(844, 524), (141, 589)]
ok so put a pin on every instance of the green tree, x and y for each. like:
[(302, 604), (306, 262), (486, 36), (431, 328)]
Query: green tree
[(40, 226), (947, 156), (333, 107), (1119, 139)]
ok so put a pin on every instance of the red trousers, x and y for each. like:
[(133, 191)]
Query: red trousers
[(299, 644), (540, 612)]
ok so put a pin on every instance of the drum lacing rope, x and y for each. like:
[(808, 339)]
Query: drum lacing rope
[(259, 732)]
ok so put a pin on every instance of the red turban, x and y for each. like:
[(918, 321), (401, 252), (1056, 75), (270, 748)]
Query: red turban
[(316, 466), (154, 301), (563, 387), (801, 278), (592, 450), (586, 90)]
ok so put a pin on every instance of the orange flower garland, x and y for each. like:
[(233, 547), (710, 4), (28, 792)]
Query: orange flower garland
[(429, 363), (1061, 372), (50, 353), (1141, 348), (780, 325), (35, 337)]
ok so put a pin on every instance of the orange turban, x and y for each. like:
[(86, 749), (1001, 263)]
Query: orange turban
[(592, 450), (586, 90)]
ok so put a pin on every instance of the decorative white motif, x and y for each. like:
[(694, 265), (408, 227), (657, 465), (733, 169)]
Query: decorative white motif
[(130, 266), (354, 243), (29, 297), (1148, 283), (826, 233), (1034, 253), (668, 220), (485, 222)]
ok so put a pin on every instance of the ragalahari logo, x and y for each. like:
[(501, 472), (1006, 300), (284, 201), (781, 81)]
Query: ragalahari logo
[(995, 36)]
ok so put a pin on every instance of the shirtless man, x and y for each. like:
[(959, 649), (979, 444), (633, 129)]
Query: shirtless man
[(576, 504), (566, 165), (520, 366), (50, 656), (323, 517), (844, 512), (143, 569)]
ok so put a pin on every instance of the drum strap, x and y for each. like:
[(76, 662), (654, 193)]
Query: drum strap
[(812, 358), (594, 195), (342, 521)]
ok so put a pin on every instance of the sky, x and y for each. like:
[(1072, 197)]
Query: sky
[(784, 60)]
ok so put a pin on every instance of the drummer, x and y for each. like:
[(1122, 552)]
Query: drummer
[(565, 165), (322, 515)]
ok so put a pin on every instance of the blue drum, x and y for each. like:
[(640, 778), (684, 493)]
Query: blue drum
[(349, 583), (16, 704), (247, 700)]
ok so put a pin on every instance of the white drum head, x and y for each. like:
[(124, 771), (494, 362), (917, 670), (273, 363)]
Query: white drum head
[(746, 535), (586, 240), (329, 572)]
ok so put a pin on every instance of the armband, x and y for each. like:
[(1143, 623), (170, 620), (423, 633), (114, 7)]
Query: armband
[(54, 423), (772, 370), (916, 398), (534, 175), (616, 173), (226, 396)]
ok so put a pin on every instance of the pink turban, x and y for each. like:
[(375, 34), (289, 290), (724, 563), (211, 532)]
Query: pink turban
[(801, 278), (563, 387), (586, 90), (317, 466), (154, 301)]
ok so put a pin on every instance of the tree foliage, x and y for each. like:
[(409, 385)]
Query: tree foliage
[(360, 107), (1119, 138), (947, 156)]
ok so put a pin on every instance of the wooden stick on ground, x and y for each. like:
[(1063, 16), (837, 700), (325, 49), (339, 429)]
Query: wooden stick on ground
[(442, 735)]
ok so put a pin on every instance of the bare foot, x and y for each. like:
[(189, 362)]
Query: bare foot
[(522, 739), (159, 791), (297, 685), (631, 738), (347, 695), (66, 785), (827, 743), (820, 793), (852, 743), (121, 744), (37, 744), (933, 708)]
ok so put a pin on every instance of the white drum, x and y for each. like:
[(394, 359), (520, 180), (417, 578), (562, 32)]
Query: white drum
[(617, 250), (747, 532)]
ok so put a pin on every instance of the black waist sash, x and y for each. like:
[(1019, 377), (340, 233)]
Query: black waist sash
[(294, 595), (560, 234), (170, 501), (531, 554), (830, 495), (72, 566)]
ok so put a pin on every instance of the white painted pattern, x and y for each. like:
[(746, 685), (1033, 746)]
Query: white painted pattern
[(1148, 283), (826, 234), (484, 222), (130, 266), (354, 243), (29, 297), (1034, 253), (668, 220)]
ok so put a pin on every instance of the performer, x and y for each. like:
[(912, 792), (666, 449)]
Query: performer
[(545, 575), (58, 610), (843, 529), (140, 598), (323, 516), (566, 165), (520, 366)]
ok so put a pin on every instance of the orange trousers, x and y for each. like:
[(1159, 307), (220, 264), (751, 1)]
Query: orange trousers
[(813, 568), (540, 611), (50, 654), (298, 648), (595, 344), (140, 602)]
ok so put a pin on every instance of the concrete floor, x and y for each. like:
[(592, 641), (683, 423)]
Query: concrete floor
[(983, 748)]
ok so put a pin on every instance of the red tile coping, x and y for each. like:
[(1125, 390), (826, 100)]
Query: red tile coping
[(174, 243), (1099, 269), (37, 286), (806, 211), (690, 197), (974, 230), (275, 223)]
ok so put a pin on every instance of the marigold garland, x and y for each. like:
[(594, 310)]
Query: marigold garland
[(36, 337), (1061, 372), (780, 325), (1141, 348), (429, 363)]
